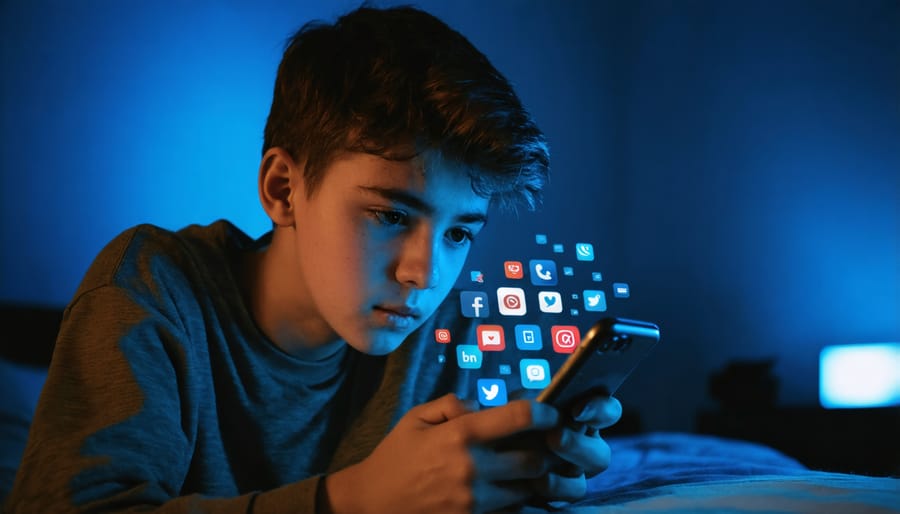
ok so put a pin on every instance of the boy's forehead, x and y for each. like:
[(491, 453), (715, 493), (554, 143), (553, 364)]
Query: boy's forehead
[(420, 165), (428, 177)]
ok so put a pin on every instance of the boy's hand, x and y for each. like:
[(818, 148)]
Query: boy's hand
[(578, 443), (439, 459)]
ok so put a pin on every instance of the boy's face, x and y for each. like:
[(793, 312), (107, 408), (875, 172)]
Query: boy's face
[(380, 243)]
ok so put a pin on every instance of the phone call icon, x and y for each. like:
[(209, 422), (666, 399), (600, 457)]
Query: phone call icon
[(584, 251), (543, 272)]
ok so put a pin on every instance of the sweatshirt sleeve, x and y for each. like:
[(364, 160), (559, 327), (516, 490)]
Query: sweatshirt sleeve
[(115, 427)]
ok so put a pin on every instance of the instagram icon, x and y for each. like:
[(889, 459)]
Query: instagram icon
[(565, 338)]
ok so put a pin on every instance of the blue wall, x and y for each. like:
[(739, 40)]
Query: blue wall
[(738, 161)]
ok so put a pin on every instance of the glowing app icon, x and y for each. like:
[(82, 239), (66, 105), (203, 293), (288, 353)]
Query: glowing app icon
[(621, 290), (490, 338), (540, 239), (491, 391), (594, 301), (565, 338), (528, 337), (550, 301), (568, 271), (476, 276), (558, 248), (511, 301), (543, 272), (596, 276), (468, 356), (442, 335), (474, 304), (513, 269), (534, 373), (584, 251)]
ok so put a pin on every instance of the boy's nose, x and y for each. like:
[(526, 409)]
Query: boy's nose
[(417, 262)]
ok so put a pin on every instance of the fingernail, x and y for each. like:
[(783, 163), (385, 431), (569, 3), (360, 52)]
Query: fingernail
[(585, 413)]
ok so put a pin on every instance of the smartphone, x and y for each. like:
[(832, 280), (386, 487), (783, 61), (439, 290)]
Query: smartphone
[(607, 354)]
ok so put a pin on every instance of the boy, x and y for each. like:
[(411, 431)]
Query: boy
[(202, 371)]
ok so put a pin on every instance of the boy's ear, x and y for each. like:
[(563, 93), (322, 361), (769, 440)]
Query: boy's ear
[(277, 186)]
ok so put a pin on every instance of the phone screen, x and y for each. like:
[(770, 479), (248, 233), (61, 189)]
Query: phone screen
[(530, 309)]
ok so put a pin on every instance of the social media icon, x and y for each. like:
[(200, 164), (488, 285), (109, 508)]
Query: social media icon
[(490, 338), (596, 276), (543, 272), (528, 337), (505, 369), (468, 356), (534, 373), (476, 276), (558, 248), (584, 251), (565, 338), (474, 304), (550, 301), (573, 312), (442, 335), (491, 391), (621, 290), (540, 239), (511, 301), (568, 271), (513, 269), (594, 301)]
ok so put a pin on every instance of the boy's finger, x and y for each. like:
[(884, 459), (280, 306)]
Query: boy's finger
[(590, 454), (514, 417), (443, 409), (510, 465), (598, 412), (554, 486)]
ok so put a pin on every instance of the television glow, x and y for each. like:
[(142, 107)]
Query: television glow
[(859, 375)]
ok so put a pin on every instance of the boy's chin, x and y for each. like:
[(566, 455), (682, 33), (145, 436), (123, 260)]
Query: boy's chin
[(381, 342)]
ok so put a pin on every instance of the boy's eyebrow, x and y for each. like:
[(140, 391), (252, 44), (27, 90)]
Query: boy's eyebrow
[(406, 198)]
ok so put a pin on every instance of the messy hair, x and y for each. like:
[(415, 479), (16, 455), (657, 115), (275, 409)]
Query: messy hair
[(379, 80)]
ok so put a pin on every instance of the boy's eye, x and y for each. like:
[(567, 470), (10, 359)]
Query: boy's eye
[(459, 235), (391, 218)]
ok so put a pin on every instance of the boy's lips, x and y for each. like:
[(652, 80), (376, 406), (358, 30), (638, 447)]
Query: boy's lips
[(400, 310)]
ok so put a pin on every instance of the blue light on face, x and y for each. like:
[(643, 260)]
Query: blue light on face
[(859, 375)]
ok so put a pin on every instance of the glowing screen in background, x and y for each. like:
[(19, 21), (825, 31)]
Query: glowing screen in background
[(859, 375)]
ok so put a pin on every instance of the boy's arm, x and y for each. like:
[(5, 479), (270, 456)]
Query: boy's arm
[(114, 429)]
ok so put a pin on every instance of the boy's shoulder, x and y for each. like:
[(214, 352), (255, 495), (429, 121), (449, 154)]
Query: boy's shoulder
[(148, 253)]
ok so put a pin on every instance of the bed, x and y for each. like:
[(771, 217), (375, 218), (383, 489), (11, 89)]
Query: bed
[(674, 473)]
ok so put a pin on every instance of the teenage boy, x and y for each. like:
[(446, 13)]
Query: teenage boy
[(202, 371)]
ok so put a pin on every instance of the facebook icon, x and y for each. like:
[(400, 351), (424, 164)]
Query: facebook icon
[(474, 304)]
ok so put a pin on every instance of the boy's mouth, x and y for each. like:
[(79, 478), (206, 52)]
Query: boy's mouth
[(399, 310), (397, 317)]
